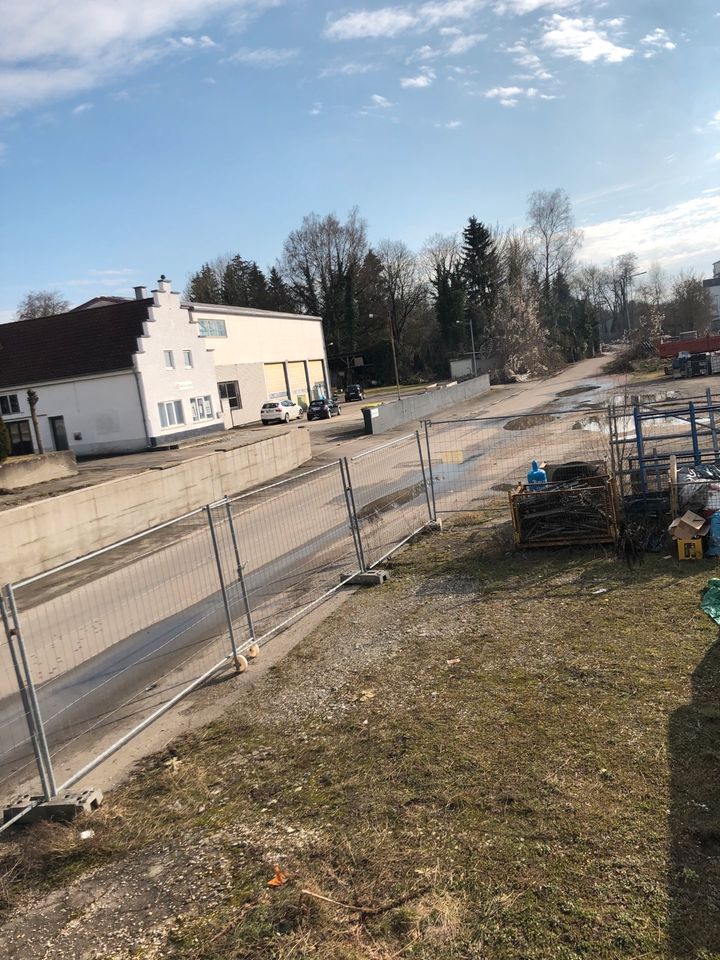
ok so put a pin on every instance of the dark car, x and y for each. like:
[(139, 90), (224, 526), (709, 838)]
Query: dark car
[(323, 409), (353, 391)]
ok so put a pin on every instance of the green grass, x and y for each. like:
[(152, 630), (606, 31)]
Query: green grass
[(555, 794)]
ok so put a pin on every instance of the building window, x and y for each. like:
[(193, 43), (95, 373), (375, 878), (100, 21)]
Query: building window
[(187, 359), (169, 360), (230, 392), (9, 404), (212, 328), (171, 413), (202, 408)]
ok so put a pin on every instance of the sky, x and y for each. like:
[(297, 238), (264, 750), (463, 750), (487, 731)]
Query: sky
[(140, 137)]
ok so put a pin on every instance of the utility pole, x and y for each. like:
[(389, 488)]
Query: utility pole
[(472, 342)]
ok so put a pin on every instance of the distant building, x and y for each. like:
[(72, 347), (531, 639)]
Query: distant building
[(713, 288), (117, 375)]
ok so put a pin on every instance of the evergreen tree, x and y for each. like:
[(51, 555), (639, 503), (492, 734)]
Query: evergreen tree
[(279, 294), (481, 279), (205, 286), (257, 287), (449, 304), (236, 283)]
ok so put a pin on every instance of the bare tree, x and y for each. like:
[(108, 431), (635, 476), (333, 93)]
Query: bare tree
[(33, 399), (41, 303), (403, 287), (552, 228), (689, 307), (317, 260)]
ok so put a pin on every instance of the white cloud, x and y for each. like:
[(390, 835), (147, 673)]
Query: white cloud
[(82, 108), (50, 50), (449, 125), (520, 7), (426, 52), (316, 110), (204, 41), (424, 79), (264, 57), (464, 43), (715, 122), (582, 39), (716, 157), (347, 69), (392, 21), (365, 24), (529, 61), (655, 42), (379, 101), (509, 96), (677, 235)]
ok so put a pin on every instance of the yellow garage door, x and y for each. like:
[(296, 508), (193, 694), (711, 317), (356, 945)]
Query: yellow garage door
[(298, 382), (275, 381), (317, 379)]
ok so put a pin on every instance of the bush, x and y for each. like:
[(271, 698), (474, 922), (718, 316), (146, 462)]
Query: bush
[(5, 445)]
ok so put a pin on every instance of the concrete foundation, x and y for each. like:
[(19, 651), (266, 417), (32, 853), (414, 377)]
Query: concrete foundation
[(66, 806), (19, 472), (367, 578), (421, 406)]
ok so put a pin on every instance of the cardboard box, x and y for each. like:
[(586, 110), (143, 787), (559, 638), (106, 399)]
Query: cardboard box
[(690, 549), (688, 526)]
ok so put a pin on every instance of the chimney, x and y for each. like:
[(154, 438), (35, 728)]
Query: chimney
[(140, 293), (164, 285)]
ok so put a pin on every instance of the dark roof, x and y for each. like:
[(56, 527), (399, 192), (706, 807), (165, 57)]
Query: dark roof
[(75, 344), (99, 302)]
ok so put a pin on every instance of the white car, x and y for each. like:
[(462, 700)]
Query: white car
[(280, 411)]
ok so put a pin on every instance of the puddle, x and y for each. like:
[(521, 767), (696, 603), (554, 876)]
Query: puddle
[(528, 422)]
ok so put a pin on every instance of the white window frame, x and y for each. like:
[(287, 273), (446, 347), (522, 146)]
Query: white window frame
[(171, 414), (202, 408), (169, 359), (188, 359)]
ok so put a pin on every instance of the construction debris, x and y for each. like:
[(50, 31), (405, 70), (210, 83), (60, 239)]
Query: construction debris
[(581, 511)]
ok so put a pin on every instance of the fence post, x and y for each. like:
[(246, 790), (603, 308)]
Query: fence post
[(424, 476), (223, 588), (637, 416), (711, 415), (430, 469), (29, 696), (697, 456), (352, 512), (240, 572)]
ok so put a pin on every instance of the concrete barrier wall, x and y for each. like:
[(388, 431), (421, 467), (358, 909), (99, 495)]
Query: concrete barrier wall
[(421, 406), (19, 472), (43, 534)]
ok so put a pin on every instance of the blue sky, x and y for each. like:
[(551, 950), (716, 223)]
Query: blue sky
[(140, 137)]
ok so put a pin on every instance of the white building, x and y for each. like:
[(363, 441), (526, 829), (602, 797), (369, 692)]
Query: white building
[(713, 288), (117, 375), (260, 355)]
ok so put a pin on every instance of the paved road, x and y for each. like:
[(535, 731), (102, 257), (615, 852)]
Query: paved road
[(111, 648)]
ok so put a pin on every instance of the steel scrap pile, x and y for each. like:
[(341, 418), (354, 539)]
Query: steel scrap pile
[(559, 514)]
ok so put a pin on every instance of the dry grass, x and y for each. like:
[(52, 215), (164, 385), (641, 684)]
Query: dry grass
[(554, 794)]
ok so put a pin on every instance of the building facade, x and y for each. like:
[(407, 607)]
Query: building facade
[(116, 375), (261, 355)]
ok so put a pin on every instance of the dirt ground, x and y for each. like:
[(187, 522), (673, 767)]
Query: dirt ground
[(497, 755)]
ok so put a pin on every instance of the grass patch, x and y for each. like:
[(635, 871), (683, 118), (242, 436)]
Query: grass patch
[(551, 792)]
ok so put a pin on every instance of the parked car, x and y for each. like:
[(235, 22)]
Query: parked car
[(280, 411), (353, 391), (323, 409)]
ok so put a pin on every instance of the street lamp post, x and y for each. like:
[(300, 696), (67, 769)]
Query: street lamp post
[(371, 316)]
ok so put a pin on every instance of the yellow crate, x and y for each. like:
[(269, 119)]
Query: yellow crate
[(690, 549)]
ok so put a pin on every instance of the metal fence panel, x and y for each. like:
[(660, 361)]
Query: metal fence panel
[(391, 495), (474, 463), (115, 637), (295, 543)]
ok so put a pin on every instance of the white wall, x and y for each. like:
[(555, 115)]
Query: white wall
[(104, 412), (169, 328), (257, 337)]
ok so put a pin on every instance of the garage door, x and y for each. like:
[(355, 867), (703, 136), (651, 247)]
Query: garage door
[(298, 382), (317, 379), (275, 381)]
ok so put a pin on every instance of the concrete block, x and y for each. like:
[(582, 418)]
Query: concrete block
[(368, 578), (66, 806), (435, 526)]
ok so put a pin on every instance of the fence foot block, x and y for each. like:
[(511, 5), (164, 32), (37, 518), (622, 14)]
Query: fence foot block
[(435, 526), (367, 578), (66, 806)]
